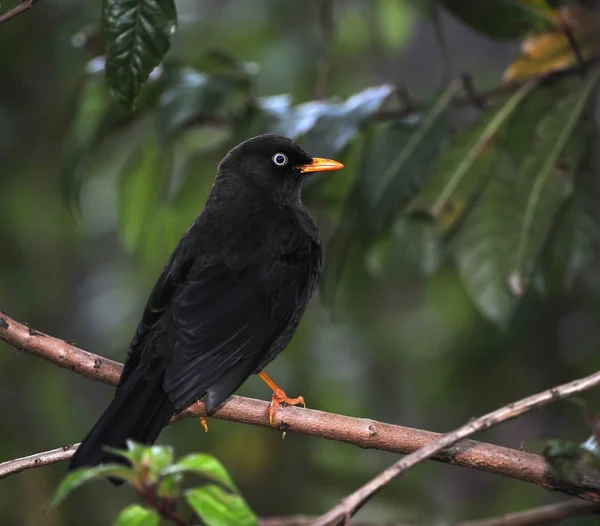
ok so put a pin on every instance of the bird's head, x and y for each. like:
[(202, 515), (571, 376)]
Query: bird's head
[(273, 165)]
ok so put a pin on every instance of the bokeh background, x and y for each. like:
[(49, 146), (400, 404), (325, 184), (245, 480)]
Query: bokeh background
[(407, 346)]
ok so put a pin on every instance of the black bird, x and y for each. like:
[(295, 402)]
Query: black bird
[(228, 300)]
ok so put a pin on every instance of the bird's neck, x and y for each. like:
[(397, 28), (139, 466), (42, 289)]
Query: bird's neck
[(236, 191)]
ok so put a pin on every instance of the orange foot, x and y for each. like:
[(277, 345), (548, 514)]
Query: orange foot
[(204, 423), (203, 420), (279, 397)]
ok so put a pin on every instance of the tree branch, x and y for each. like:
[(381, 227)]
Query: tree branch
[(17, 10), (353, 502), (550, 514), (540, 516), (365, 433)]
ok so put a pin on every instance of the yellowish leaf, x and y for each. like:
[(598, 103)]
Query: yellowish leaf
[(552, 51)]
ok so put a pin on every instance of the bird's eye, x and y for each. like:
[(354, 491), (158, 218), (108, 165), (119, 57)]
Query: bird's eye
[(280, 159)]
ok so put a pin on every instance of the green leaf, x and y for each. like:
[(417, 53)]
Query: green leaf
[(138, 35), (395, 160), (577, 237), (196, 97), (548, 174), (136, 515), (142, 186), (134, 452), (92, 106), (568, 458), (157, 458), (503, 19), (204, 465), (499, 242), (465, 166), (80, 476), (217, 507), (170, 486)]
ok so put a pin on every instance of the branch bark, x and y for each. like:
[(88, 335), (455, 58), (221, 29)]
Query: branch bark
[(362, 432), (17, 10), (540, 516), (353, 502)]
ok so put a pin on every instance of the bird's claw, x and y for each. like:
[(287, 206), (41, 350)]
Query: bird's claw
[(279, 397), (204, 423)]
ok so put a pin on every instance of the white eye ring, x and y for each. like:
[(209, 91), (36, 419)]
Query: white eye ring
[(279, 159)]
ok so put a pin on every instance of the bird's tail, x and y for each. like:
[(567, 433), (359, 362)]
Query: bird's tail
[(138, 412)]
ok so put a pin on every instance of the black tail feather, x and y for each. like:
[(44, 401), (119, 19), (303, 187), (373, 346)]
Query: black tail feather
[(138, 412)]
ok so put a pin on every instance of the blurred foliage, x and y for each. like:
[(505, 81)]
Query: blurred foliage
[(461, 238), (158, 480)]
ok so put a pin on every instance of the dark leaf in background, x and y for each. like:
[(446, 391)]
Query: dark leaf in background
[(143, 186), (197, 98), (503, 19), (217, 507), (393, 163), (91, 108), (462, 170), (547, 177), (577, 236), (136, 515), (499, 242), (138, 35), (568, 458)]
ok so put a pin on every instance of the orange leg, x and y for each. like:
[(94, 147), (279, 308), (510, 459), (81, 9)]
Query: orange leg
[(203, 420), (204, 423), (279, 397)]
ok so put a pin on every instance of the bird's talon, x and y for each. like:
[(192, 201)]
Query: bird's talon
[(204, 423)]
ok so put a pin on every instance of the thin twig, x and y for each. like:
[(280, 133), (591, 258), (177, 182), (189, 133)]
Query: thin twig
[(540, 516), (365, 433), (353, 502), (162, 506), (17, 10)]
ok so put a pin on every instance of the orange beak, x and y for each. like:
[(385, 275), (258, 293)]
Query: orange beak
[(321, 165)]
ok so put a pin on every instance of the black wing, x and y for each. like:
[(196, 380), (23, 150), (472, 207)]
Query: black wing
[(226, 322), (207, 328), (172, 277)]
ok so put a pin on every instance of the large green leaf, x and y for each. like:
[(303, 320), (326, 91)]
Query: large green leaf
[(80, 476), (503, 19), (393, 162), (142, 188), (218, 507), (138, 35), (136, 515), (465, 166), (91, 108), (577, 236), (498, 244), (547, 180), (205, 465)]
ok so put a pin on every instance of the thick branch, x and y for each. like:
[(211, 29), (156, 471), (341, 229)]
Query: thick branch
[(540, 516), (353, 502), (362, 432)]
